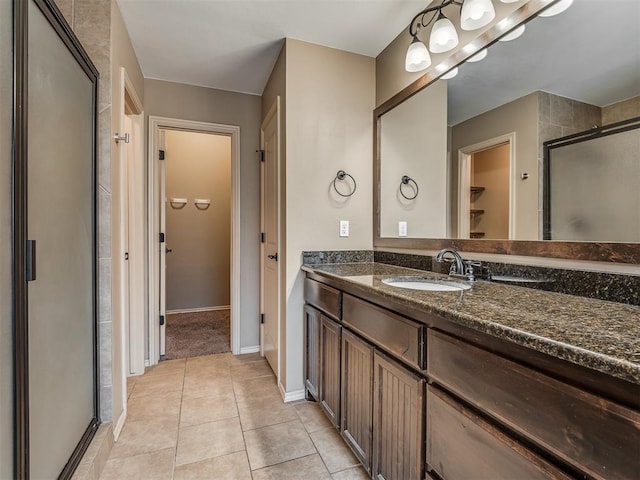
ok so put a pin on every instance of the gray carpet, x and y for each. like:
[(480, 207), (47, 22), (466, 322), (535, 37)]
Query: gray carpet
[(198, 333)]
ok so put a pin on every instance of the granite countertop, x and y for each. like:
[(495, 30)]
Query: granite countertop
[(601, 335)]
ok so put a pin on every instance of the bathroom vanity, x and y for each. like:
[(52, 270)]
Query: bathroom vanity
[(490, 382)]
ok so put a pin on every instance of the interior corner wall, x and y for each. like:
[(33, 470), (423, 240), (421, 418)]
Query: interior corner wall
[(329, 109), (6, 280), (188, 102), (277, 87), (521, 117)]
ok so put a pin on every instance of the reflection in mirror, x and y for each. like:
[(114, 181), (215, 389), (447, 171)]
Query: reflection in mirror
[(555, 80)]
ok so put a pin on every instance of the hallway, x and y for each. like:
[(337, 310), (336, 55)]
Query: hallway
[(222, 417)]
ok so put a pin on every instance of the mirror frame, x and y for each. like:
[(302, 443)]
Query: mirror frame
[(593, 251)]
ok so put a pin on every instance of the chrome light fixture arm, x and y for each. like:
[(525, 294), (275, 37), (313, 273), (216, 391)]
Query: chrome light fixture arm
[(415, 26)]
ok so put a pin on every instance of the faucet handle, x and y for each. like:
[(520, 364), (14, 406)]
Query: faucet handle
[(469, 269)]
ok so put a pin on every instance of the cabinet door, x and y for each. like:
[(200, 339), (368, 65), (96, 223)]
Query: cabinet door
[(312, 353), (330, 368), (398, 426), (357, 396)]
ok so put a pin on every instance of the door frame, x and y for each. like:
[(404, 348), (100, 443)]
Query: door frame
[(274, 110), (155, 125), (464, 181)]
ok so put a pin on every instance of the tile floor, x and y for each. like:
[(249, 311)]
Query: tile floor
[(222, 417)]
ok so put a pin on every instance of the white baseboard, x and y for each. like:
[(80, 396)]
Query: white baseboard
[(200, 309), (118, 425), (291, 396), (146, 363), (254, 349)]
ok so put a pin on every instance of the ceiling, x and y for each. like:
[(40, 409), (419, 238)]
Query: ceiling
[(590, 53), (233, 44)]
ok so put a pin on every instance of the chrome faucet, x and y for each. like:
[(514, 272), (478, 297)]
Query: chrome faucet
[(459, 268)]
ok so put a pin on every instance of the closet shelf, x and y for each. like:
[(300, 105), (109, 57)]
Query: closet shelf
[(476, 189), (475, 211), (476, 234)]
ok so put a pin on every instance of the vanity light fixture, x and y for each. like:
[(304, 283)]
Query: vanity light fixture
[(474, 14), (481, 55), (559, 7), (450, 74), (513, 34)]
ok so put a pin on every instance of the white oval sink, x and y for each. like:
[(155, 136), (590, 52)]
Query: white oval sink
[(425, 284)]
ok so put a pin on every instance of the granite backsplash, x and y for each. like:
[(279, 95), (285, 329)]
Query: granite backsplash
[(603, 286)]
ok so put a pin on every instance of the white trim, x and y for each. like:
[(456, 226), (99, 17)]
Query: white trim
[(464, 181), (254, 349), (155, 124), (117, 427), (291, 396), (200, 309)]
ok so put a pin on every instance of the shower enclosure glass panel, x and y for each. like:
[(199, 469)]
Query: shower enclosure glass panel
[(61, 221), (6, 335)]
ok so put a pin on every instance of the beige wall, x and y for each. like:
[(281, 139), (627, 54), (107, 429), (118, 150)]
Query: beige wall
[(330, 98), (198, 165), (6, 337), (188, 102), (391, 77), (490, 169), (277, 87), (620, 111), (414, 143), (521, 117)]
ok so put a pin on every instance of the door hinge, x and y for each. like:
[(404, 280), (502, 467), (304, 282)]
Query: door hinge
[(261, 153), (261, 237), (161, 155), (126, 255), (261, 318), (161, 320), (162, 237)]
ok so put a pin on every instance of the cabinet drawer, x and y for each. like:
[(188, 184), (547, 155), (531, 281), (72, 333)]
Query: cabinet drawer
[(397, 335), (593, 434), (326, 298), (462, 446)]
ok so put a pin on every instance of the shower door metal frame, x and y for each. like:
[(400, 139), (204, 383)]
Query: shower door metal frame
[(19, 225)]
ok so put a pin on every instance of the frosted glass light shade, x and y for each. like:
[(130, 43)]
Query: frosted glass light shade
[(478, 56), (418, 57), (476, 14), (513, 34), (450, 74), (559, 7), (443, 35), (509, 1)]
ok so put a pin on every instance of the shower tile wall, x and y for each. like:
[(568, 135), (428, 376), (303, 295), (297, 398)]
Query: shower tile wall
[(90, 20)]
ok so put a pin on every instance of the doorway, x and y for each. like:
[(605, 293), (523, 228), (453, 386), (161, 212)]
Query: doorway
[(486, 199), (159, 242), (198, 243)]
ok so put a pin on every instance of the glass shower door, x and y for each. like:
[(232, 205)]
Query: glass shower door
[(60, 219)]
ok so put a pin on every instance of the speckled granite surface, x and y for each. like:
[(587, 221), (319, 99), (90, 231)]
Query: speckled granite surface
[(601, 335)]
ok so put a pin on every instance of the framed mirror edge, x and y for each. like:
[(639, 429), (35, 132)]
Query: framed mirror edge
[(591, 251)]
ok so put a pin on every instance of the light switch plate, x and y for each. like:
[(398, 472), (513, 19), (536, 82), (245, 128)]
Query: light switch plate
[(402, 229), (344, 228)]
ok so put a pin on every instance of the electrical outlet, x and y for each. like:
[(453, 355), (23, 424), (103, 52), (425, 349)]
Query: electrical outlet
[(402, 229), (344, 228)]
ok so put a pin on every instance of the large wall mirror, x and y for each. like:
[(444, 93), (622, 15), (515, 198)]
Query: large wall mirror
[(535, 150)]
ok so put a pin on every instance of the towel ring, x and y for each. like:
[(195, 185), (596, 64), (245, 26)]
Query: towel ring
[(405, 181), (341, 175)]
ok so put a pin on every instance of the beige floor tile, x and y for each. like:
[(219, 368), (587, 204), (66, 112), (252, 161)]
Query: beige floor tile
[(146, 436), (261, 412), (150, 407), (206, 386), (209, 440), (277, 443), (312, 416), (255, 388), (334, 452), (149, 466), (207, 409), (85, 471), (218, 369), (166, 367), (155, 384), (306, 468), (356, 473), (250, 370), (234, 466), (247, 357)]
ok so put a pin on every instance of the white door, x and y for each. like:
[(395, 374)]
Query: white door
[(163, 244), (269, 291)]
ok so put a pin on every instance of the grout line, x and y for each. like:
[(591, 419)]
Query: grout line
[(175, 455)]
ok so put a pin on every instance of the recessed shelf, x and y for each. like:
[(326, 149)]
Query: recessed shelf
[(476, 235), (476, 211), (476, 189)]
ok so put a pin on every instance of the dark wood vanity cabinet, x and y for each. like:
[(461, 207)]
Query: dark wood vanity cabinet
[(398, 425), (357, 396), (489, 411), (329, 388)]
